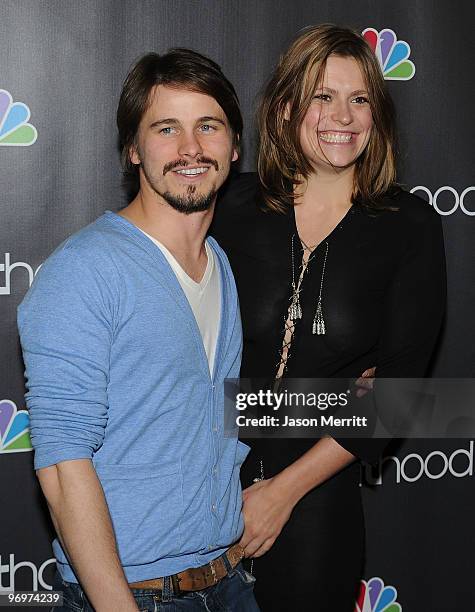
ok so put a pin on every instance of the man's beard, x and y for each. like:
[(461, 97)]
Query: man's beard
[(191, 202)]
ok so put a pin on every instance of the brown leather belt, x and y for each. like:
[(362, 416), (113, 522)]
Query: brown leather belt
[(197, 578)]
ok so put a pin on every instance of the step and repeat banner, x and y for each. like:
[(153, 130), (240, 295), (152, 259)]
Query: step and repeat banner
[(62, 66)]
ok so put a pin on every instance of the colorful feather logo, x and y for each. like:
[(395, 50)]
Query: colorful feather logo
[(14, 428), (15, 131), (375, 597), (392, 54)]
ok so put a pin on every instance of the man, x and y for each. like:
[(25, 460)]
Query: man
[(128, 333)]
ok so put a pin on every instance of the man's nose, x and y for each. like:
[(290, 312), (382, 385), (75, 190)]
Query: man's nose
[(190, 145)]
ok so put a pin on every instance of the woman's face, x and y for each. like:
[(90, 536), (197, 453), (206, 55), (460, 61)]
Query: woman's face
[(337, 125)]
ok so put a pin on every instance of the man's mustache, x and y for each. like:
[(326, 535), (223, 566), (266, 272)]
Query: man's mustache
[(182, 163)]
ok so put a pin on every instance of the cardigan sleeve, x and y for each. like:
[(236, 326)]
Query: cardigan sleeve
[(65, 326)]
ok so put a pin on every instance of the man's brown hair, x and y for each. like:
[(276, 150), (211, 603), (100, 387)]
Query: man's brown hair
[(181, 68)]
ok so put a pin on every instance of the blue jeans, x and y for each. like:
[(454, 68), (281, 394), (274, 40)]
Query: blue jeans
[(234, 593)]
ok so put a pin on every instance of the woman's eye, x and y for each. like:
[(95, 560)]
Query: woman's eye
[(361, 100), (323, 97)]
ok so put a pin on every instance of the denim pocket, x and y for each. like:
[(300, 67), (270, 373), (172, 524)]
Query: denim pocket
[(246, 578), (146, 506), (73, 600)]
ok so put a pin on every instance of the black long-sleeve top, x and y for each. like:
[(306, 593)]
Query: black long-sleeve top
[(383, 294)]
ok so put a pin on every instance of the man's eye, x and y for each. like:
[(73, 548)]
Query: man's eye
[(322, 97), (167, 131), (206, 127), (361, 100)]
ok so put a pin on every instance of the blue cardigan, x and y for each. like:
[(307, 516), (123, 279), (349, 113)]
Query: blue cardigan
[(117, 373)]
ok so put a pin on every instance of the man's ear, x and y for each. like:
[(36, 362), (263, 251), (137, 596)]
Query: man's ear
[(235, 156), (134, 155)]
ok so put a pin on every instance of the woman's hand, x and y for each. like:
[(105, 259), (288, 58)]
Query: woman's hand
[(266, 509), (365, 382)]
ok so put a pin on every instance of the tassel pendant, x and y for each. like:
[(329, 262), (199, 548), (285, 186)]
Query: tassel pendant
[(295, 310), (318, 326)]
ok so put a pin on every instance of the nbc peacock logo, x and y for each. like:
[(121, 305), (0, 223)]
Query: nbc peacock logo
[(392, 54), (14, 429), (15, 131), (375, 597)]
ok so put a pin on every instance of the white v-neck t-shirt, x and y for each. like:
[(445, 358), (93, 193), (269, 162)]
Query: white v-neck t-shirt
[(204, 297)]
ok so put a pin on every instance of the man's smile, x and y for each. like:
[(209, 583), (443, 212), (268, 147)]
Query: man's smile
[(192, 171)]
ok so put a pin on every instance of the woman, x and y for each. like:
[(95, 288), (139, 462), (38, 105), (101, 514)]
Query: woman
[(338, 270)]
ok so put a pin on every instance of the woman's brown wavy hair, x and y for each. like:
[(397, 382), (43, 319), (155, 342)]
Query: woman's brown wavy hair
[(286, 100)]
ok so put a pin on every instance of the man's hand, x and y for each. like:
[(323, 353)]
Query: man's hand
[(268, 504), (365, 382), (266, 509)]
